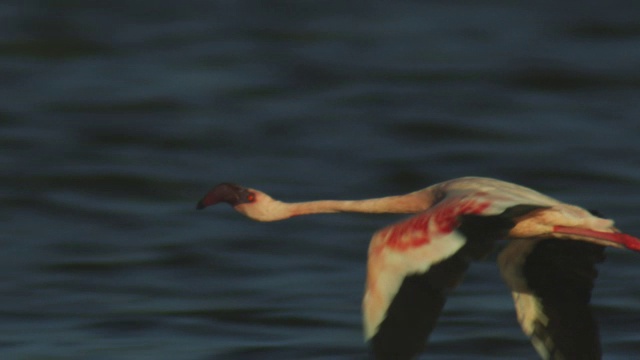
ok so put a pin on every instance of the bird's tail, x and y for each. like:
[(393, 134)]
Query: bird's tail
[(617, 239)]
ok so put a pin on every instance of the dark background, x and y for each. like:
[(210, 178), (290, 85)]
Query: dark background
[(116, 117)]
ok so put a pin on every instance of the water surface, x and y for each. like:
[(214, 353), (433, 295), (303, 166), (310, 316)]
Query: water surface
[(115, 118)]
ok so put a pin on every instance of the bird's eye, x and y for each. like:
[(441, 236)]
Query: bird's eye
[(251, 197)]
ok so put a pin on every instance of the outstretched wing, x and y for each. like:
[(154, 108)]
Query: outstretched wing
[(551, 282), (413, 264), (415, 308)]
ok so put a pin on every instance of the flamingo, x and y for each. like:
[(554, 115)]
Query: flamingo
[(548, 262)]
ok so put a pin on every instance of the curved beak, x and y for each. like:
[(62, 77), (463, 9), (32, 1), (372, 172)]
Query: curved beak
[(201, 205), (225, 192)]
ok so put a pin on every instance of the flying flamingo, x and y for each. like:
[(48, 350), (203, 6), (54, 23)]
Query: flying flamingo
[(549, 262)]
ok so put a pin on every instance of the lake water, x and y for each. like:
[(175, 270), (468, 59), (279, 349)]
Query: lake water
[(116, 117)]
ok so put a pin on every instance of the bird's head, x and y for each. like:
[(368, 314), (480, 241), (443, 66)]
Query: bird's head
[(252, 203)]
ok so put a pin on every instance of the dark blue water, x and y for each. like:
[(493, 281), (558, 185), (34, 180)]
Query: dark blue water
[(116, 117)]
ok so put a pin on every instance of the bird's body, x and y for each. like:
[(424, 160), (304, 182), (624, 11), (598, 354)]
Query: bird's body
[(414, 263)]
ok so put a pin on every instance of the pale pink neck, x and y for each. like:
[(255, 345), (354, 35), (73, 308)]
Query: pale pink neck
[(410, 203)]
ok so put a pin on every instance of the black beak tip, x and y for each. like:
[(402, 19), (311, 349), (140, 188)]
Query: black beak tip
[(200, 205)]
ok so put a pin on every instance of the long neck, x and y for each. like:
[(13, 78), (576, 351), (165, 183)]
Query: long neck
[(410, 203)]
